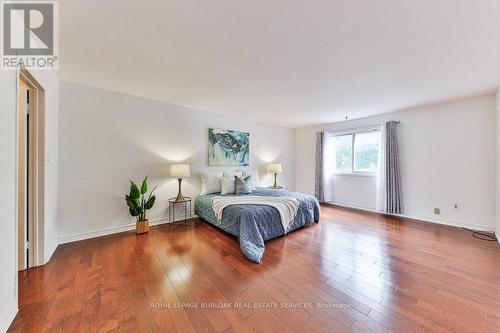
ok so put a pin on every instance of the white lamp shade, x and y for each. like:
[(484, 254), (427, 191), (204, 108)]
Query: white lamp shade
[(179, 171), (274, 168)]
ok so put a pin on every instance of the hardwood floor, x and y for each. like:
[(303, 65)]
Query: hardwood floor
[(353, 271)]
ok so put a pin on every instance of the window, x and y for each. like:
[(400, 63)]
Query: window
[(366, 145), (343, 153), (356, 152)]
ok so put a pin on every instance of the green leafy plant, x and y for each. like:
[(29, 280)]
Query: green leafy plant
[(137, 201)]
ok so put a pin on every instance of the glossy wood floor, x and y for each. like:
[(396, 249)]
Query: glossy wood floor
[(353, 271)]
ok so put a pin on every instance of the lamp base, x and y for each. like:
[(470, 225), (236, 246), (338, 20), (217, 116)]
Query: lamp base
[(180, 197), (275, 183)]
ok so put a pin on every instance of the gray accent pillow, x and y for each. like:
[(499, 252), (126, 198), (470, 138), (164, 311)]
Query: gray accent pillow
[(243, 185)]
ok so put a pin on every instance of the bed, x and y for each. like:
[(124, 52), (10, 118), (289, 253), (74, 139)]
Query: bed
[(254, 224)]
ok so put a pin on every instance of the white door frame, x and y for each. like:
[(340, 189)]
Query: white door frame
[(37, 255)]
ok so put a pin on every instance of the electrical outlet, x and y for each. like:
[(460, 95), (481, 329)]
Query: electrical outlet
[(456, 206), (437, 211)]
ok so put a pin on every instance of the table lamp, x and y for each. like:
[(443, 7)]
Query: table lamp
[(179, 171), (275, 168)]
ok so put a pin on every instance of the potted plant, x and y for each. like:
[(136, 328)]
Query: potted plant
[(138, 204)]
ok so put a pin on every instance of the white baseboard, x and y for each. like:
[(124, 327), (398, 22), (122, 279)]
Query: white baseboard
[(440, 220), (131, 226), (114, 230), (9, 317), (450, 222), (351, 205)]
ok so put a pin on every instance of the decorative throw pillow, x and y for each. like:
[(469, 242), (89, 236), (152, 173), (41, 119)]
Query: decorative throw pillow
[(210, 182), (255, 177), (226, 185), (243, 185)]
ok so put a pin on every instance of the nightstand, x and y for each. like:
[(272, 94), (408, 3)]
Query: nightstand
[(171, 209)]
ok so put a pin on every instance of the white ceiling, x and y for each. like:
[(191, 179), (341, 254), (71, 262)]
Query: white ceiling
[(286, 62)]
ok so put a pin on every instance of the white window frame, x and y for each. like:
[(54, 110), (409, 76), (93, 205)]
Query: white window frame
[(353, 133)]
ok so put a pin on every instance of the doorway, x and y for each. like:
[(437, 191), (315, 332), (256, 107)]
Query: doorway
[(30, 173)]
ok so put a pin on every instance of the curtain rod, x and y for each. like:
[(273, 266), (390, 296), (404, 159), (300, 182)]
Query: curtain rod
[(360, 128), (367, 127)]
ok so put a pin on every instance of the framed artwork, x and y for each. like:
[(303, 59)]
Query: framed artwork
[(227, 147)]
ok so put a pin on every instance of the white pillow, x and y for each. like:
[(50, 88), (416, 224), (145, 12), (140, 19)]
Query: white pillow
[(255, 177), (210, 182), (227, 185), (231, 174)]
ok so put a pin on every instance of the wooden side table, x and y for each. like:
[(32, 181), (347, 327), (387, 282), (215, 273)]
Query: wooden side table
[(171, 209)]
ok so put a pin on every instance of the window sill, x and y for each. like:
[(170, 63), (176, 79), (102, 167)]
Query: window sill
[(355, 174)]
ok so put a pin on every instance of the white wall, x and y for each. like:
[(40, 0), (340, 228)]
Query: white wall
[(8, 291), (447, 155), (8, 167), (107, 138), (359, 191), (498, 167)]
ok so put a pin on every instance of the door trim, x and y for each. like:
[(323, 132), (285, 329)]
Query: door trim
[(37, 168)]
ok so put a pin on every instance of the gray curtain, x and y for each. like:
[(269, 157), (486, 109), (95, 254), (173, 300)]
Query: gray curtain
[(319, 190), (394, 200)]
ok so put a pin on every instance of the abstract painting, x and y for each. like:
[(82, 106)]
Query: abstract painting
[(226, 147)]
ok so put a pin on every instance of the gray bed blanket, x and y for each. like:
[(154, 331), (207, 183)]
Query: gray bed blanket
[(254, 224)]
